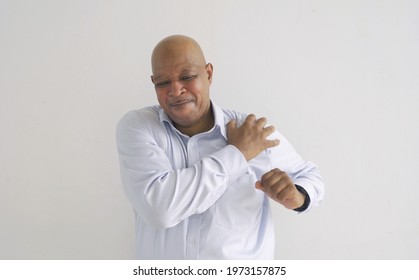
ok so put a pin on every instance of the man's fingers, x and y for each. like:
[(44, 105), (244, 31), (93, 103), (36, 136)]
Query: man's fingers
[(272, 178), (271, 143), (250, 119), (269, 174), (261, 122), (268, 130), (284, 194), (232, 124), (259, 186)]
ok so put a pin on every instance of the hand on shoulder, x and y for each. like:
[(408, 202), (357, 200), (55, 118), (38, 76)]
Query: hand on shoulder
[(251, 137)]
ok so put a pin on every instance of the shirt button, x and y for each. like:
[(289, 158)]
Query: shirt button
[(193, 241)]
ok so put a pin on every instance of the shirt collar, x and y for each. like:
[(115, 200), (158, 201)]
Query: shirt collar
[(164, 117), (219, 122)]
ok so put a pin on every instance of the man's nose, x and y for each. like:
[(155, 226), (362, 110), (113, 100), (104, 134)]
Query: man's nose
[(176, 88)]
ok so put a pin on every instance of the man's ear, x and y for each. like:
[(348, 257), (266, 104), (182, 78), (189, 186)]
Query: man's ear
[(209, 69), (152, 79)]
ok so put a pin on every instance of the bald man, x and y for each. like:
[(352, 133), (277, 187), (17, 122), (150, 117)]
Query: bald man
[(200, 178)]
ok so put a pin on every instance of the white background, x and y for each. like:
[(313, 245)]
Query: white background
[(340, 79)]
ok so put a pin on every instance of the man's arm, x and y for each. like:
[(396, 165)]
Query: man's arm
[(163, 196)]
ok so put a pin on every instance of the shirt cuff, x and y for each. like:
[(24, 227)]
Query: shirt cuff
[(307, 200), (233, 161)]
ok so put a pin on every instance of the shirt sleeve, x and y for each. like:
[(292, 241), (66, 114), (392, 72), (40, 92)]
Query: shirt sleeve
[(303, 173), (164, 196)]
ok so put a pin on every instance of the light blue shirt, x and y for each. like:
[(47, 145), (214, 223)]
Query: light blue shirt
[(195, 197)]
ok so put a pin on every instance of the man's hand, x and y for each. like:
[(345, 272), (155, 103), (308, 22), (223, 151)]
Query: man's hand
[(279, 187), (250, 137)]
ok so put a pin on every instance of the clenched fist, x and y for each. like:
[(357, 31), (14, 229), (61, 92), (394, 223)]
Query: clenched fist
[(279, 187)]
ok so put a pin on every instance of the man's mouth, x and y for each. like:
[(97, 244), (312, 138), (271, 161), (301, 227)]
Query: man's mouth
[(180, 102)]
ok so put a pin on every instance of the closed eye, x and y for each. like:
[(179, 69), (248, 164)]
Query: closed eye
[(185, 78), (161, 84), (188, 77)]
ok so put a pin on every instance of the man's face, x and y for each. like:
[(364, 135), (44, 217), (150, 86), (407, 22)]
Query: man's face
[(182, 85)]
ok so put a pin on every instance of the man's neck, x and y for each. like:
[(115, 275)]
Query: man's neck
[(203, 125)]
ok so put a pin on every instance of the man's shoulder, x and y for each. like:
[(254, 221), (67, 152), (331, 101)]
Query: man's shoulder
[(148, 113), (143, 117), (230, 114), (141, 125)]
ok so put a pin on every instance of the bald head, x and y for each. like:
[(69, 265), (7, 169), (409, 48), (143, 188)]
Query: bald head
[(173, 48)]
